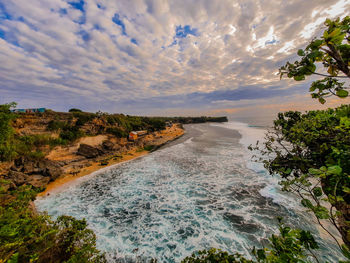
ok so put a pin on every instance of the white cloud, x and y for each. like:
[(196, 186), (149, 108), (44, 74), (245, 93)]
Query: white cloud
[(55, 50)]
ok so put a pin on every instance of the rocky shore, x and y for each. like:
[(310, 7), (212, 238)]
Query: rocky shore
[(88, 154)]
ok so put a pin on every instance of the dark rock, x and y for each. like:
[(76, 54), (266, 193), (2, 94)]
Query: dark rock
[(51, 169), (234, 218), (88, 151), (38, 181), (108, 145), (17, 177), (23, 167), (31, 167), (16, 168), (19, 162)]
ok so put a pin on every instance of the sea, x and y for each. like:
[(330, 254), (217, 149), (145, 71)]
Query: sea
[(203, 190)]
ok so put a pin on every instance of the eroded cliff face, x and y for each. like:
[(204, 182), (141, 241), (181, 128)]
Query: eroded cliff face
[(96, 145)]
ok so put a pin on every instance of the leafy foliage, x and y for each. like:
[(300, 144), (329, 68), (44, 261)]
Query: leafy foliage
[(117, 132), (291, 245), (332, 49), (311, 152), (56, 125), (71, 133), (75, 110), (30, 237), (7, 151)]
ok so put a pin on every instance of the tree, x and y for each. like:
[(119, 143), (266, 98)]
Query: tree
[(75, 110), (291, 245), (311, 151), (7, 151), (331, 53)]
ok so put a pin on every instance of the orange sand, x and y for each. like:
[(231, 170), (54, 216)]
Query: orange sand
[(162, 137), (66, 178)]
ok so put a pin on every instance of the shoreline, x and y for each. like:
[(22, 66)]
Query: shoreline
[(96, 166)]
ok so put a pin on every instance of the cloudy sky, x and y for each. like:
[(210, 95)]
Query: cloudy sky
[(158, 57)]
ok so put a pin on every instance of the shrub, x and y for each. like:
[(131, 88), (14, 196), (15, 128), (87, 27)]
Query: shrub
[(32, 237), (75, 110), (83, 117), (71, 133), (149, 147), (291, 245), (155, 124), (56, 125), (117, 132), (6, 132)]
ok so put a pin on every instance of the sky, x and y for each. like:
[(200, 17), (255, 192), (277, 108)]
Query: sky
[(158, 57)]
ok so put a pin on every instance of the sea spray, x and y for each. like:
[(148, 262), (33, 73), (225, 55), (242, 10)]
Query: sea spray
[(196, 194)]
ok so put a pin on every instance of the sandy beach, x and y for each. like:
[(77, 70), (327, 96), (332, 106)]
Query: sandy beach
[(161, 138)]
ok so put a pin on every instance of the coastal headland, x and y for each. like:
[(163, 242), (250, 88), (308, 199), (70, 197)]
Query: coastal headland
[(55, 148)]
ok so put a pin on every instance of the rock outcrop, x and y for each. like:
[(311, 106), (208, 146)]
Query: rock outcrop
[(88, 151), (37, 173)]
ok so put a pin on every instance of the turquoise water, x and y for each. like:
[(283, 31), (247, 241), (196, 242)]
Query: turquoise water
[(200, 192)]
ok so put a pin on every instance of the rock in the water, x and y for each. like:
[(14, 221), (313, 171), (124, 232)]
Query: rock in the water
[(38, 181), (88, 151)]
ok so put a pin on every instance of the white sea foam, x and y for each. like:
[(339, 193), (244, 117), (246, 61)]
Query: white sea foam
[(190, 196)]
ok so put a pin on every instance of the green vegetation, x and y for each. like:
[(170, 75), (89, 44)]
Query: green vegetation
[(30, 237), (117, 132), (332, 51), (83, 117), (7, 151), (149, 147), (71, 133), (311, 152), (291, 245), (75, 110)]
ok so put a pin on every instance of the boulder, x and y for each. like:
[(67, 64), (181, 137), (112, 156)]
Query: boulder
[(88, 151), (18, 178), (50, 169), (31, 166), (108, 145), (42, 167), (38, 181)]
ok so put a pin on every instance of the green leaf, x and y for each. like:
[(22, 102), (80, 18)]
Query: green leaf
[(313, 171), (335, 169), (315, 45), (299, 78), (301, 52), (13, 259), (346, 189), (321, 100), (342, 93), (317, 191), (307, 203), (261, 254), (321, 212)]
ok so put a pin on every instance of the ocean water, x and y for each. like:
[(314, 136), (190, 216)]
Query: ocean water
[(199, 192)]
